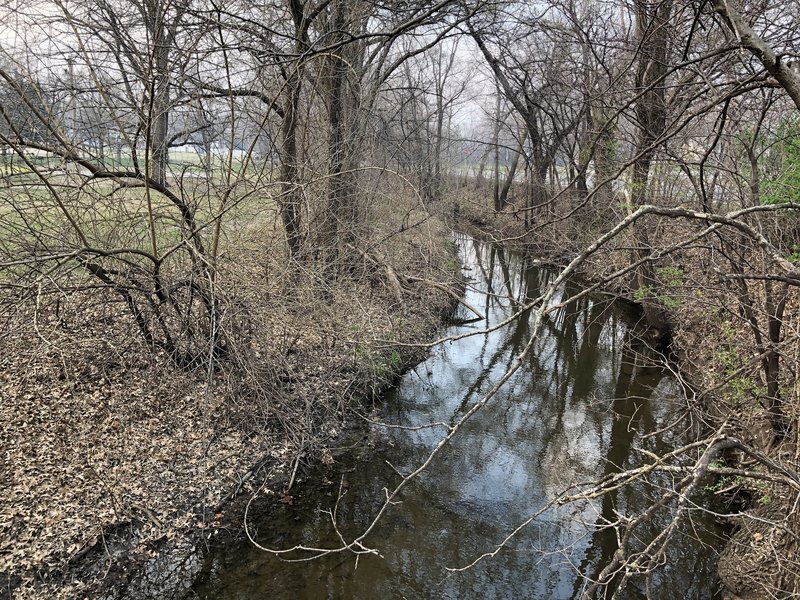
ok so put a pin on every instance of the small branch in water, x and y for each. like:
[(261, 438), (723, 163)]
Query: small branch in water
[(465, 321), (445, 288), (296, 465), (404, 427)]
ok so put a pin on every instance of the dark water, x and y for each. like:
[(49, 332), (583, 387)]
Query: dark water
[(576, 411)]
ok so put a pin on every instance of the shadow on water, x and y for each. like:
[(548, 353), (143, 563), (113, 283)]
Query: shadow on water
[(576, 412)]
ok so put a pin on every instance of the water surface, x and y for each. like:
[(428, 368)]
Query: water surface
[(576, 411)]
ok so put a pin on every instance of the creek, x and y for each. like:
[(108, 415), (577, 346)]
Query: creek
[(580, 408)]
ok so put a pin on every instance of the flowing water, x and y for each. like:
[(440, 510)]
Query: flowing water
[(578, 409)]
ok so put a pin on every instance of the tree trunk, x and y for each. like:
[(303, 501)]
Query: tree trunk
[(653, 40), (336, 73), (604, 157), (160, 107), (291, 194), (344, 74), (496, 141), (512, 171), (441, 79), (775, 308)]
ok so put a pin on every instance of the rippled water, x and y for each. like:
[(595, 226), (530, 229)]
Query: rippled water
[(577, 411)]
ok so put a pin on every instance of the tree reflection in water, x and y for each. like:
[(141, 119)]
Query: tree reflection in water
[(579, 410)]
